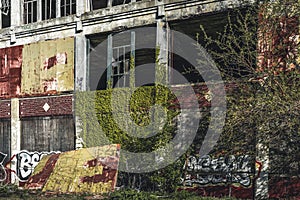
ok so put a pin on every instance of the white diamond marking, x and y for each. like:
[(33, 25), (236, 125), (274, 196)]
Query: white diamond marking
[(46, 107)]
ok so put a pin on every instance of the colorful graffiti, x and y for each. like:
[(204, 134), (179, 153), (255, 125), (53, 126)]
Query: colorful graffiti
[(222, 170), (88, 170)]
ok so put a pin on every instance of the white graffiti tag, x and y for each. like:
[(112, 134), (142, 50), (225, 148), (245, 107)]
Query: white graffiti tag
[(207, 170), (27, 161), (3, 174)]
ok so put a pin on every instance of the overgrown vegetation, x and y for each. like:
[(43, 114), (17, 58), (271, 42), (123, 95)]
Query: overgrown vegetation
[(257, 55)]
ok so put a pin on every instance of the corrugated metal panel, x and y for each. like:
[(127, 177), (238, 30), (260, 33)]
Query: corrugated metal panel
[(92, 170), (10, 71), (48, 67)]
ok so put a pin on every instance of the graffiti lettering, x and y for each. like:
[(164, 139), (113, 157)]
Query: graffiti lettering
[(26, 162), (3, 174), (207, 170)]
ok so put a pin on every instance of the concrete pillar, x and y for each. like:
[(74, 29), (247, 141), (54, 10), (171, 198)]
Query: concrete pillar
[(162, 70), (262, 157), (81, 80), (82, 7), (16, 13), (15, 134)]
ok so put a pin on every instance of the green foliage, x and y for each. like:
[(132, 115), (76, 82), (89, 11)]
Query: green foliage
[(263, 104)]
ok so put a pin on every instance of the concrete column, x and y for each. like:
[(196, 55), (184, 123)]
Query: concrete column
[(16, 13), (262, 157), (82, 7), (15, 134), (81, 68), (81, 80), (162, 70)]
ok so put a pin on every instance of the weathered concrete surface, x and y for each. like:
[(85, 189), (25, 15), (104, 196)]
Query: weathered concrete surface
[(111, 19)]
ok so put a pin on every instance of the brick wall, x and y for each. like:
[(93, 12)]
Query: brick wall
[(4, 109), (49, 106)]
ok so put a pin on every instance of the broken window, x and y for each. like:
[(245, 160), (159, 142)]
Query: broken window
[(119, 57), (48, 9), (5, 13), (120, 66), (30, 11), (68, 7)]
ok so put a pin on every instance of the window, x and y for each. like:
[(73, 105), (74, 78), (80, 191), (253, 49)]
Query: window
[(30, 11), (68, 7), (48, 9), (121, 50), (98, 4), (5, 13), (120, 66)]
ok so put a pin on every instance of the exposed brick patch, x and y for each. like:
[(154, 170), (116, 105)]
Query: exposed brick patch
[(50, 106), (5, 109)]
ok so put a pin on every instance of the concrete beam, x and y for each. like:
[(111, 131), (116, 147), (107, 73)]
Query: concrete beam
[(113, 19)]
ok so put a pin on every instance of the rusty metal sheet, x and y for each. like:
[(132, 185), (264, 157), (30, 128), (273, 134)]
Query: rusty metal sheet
[(48, 67), (10, 71), (89, 170)]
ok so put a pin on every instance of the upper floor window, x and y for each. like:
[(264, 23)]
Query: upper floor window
[(5, 13), (30, 11), (48, 9), (68, 7), (98, 4), (37, 10)]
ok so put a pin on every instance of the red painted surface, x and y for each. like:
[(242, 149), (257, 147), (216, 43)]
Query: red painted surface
[(10, 71), (61, 105), (284, 187), (223, 191), (5, 109)]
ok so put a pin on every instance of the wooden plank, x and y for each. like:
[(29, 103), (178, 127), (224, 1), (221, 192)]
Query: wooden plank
[(48, 133)]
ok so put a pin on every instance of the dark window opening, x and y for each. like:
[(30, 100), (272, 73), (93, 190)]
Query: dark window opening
[(96, 4), (48, 9), (120, 2), (67, 7), (30, 11), (5, 12)]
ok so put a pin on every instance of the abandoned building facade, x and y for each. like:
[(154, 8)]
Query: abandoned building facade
[(52, 49)]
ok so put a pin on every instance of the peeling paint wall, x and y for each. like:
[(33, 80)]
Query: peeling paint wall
[(10, 71), (91, 170), (48, 67)]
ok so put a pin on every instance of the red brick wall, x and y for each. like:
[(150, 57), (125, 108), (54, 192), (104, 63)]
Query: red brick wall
[(61, 105), (4, 109)]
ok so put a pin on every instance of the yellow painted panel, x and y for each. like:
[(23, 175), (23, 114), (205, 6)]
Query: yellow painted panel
[(85, 171), (48, 67)]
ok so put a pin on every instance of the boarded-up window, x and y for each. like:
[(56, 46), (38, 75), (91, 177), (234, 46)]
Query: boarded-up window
[(48, 67), (10, 71)]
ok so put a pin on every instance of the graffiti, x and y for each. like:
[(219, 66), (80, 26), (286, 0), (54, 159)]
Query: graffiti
[(207, 170), (27, 161), (3, 173)]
